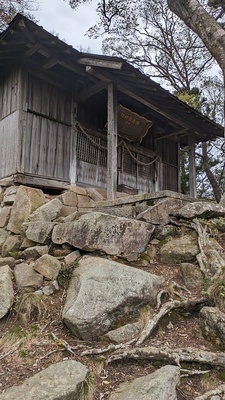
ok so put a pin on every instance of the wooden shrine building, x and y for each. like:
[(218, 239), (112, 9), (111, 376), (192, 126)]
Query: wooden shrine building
[(93, 120)]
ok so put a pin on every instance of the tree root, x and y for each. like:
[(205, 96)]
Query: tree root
[(171, 305), (218, 391), (172, 356), (65, 344), (47, 355), (110, 347), (208, 255), (146, 332), (12, 349), (187, 372)]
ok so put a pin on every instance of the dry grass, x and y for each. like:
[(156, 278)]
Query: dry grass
[(31, 307)]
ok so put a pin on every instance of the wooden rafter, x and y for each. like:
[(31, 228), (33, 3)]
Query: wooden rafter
[(96, 62), (98, 87), (152, 102)]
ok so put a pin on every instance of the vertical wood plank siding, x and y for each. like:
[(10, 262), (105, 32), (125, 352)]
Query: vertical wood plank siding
[(9, 92), (168, 167), (9, 121), (47, 139), (91, 160), (46, 149), (92, 165), (9, 136), (43, 124)]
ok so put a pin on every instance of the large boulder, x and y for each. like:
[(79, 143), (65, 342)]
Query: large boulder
[(61, 381), (212, 323), (9, 195), (4, 216), (6, 290), (103, 292), (27, 200), (34, 252), (3, 236), (10, 261), (11, 246), (159, 213), (192, 275), (200, 209), (39, 231), (48, 212), (48, 266), (179, 250), (27, 279), (124, 333), (110, 234), (160, 385), (214, 258)]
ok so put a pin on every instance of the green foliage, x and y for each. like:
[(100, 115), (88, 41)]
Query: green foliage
[(14, 334), (33, 330), (86, 387), (184, 174), (221, 375), (66, 273), (100, 359), (22, 353), (210, 166)]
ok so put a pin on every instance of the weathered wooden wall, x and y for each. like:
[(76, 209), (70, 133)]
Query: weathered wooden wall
[(168, 169), (36, 127), (47, 136), (92, 164), (91, 160), (10, 117), (94, 110), (135, 175)]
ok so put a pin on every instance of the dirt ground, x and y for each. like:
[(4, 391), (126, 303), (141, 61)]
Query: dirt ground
[(27, 349)]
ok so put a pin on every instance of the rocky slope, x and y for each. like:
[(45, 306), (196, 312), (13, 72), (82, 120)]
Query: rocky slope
[(128, 296)]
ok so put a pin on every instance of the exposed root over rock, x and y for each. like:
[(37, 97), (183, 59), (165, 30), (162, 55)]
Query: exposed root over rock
[(220, 390), (172, 356), (210, 257), (189, 305), (110, 347), (171, 305)]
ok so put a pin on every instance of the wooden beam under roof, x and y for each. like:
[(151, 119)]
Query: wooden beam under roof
[(52, 77), (96, 62), (50, 63), (33, 49), (129, 92), (51, 56), (98, 87), (180, 132), (153, 103)]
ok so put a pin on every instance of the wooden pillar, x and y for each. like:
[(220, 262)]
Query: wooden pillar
[(112, 142), (73, 145), (192, 169), (178, 168)]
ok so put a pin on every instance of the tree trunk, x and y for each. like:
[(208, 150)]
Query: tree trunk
[(203, 24), (216, 189)]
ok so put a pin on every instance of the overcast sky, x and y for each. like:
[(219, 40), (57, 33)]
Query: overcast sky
[(57, 17)]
